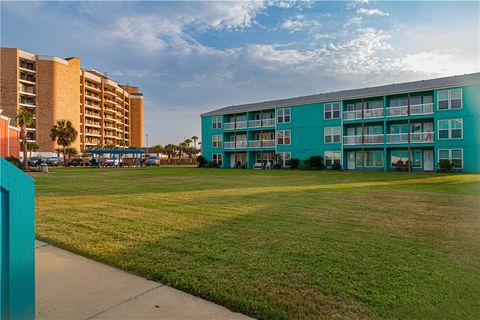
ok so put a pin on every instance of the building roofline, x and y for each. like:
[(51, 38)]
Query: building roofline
[(413, 86)]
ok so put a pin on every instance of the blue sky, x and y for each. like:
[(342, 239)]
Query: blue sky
[(192, 57)]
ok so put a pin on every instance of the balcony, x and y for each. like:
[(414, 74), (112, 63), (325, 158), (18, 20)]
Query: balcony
[(416, 137), (366, 114), (417, 109), (29, 78), (250, 124), (363, 139), (255, 144)]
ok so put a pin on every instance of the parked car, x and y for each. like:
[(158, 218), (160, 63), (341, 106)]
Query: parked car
[(77, 162), (54, 161), (35, 161), (112, 162), (152, 160)]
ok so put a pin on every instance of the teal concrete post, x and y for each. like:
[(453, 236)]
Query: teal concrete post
[(386, 161), (17, 243)]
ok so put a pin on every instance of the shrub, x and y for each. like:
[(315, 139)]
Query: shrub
[(202, 162), (293, 163), (277, 161), (316, 162), (445, 166), (16, 162), (336, 166), (306, 164), (211, 164)]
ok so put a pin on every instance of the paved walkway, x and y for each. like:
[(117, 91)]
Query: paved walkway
[(73, 287)]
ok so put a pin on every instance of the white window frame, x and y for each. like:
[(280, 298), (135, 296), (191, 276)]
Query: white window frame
[(402, 150), (216, 124), (333, 157), (281, 115), (331, 134), (217, 138), (330, 105), (449, 99), (364, 158), (217, 161), (450, 155), (283, 137), (282, 155), (449, 121)]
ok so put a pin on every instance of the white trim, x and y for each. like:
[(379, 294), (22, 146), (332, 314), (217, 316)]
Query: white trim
[(333, 157), (332, 135), (283, 116), (450, 155), (449, 129), (289, 134), (449, 99), (218, 138), (331, 111)]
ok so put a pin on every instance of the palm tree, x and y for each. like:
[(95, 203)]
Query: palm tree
[(64, 134), (195, 139), (158, 149), (188, 141), (58, 151), (24, 119), (182, 149), (32, 146), (170, 150), (70, 152)]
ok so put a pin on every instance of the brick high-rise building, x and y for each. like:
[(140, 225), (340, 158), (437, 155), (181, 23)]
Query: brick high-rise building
[(103, 112)]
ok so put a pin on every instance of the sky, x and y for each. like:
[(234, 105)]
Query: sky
[(192, 57)]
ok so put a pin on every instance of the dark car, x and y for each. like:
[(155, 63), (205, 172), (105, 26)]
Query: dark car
[(77, 162), (35, 161), (54, 161)]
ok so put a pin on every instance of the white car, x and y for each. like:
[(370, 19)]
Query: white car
[(112, 162)]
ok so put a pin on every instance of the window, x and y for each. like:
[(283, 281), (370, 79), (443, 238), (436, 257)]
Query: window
[(449, 99), (399, 158), (217, 122), (453, 155), (217, 141), (332, 157), (369, 159), (450, 129), (331, 111), (283, 137), (331, 134), (284, 156), (283, 115), (217, 158)]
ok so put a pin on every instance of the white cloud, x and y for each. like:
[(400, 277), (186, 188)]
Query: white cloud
[(353, 21), (372, 12), (300, 22)]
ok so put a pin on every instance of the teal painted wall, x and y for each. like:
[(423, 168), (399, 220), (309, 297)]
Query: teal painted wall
[(307, 130)]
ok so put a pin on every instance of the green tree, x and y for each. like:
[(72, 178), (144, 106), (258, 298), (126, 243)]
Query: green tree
[(195, 139), (24, 119), (170, 151), (32, 147), (69, 152), (158, 149), (64, 134)]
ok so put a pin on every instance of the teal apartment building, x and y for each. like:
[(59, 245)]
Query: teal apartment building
[(389, 128)]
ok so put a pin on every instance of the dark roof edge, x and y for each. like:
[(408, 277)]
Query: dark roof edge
[(396, 88)]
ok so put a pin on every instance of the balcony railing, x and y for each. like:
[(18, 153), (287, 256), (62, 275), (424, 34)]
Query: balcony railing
[(254, 144), (415, 137), (363, 139), (416, 109), (250, 124), (366, 114), (352, 115)]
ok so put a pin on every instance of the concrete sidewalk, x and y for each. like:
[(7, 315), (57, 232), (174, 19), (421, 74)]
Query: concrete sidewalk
[(73, 287)]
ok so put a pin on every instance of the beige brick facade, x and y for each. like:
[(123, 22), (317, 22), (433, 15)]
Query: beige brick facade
[(103, 112)]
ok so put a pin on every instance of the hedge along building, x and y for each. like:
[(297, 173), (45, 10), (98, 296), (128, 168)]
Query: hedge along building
[(378, 128), (101, 110)]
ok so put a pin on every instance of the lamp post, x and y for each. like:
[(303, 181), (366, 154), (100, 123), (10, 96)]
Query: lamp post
[(146, 138)]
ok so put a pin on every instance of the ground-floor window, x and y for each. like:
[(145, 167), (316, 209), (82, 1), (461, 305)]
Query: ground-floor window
[(332, 157), (284, 156), (264, 157), (399, 158), (369, 159), (217, 158), (453, 155)]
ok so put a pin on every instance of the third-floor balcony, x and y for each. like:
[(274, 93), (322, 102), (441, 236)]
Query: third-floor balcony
[(413, 137), (252, 124), (417, 109), (365, 114)]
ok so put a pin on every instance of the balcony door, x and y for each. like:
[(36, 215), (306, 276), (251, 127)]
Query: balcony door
[(351, 160), (428, 160)]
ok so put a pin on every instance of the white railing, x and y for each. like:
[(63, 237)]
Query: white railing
[(422, 137), (268, 122), (254, 123), (426, 108), (352, 115), (363, 139), (240, 124), (255, 144), (268, 143), (229, 126), (373, 113), (397, 138), (241, 144), (416, 109)]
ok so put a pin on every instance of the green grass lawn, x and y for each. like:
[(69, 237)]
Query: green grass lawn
[(280, 244)]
